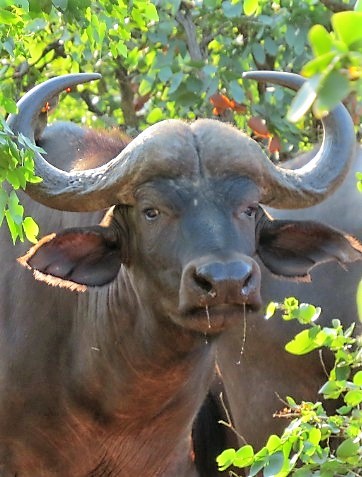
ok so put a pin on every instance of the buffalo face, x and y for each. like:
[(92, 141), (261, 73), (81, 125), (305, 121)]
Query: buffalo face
[(194, 243)]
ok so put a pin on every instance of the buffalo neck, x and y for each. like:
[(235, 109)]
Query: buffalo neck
[(138, 376)]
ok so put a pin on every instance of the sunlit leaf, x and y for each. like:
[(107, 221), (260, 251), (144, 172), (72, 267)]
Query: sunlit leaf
[(273, 443), (357, 378), (244, 456), (225, 459), (155, 115), (320, 40), (347, 25), (304, 342), (31, 229), (353, 398), (250, 6), (270, 310)]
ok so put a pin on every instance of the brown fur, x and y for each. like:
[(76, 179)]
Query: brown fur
[(99, 147)]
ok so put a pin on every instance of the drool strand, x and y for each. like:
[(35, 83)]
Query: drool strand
[(244, 335)]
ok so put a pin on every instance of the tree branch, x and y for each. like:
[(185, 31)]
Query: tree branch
[(185, 20), (127, 98), (86, 97), (335, 6)]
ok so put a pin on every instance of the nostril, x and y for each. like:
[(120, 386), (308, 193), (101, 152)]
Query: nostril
[(202, 282), (247, 284)]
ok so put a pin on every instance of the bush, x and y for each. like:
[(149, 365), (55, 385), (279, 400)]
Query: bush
[(315, 443)]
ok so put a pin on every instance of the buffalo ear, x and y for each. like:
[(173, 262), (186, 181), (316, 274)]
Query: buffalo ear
[(76, 258), (292, 248)]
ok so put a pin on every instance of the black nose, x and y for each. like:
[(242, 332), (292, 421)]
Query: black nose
[(223, 279), (216, 282)]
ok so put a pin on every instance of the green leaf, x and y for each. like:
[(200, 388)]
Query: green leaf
[(291, 402), (15, 209), (250, 6), (232, 9), (303, 472), (154, 116), (270, 310), (290, 36), (8, 18), (244, 457), (237, 91), (225, 459), (3, 202), (151, 12), (211, 3), (31, 229), (145, 86), (314, 436), (335, 87), (14, 228), (275, 464), (258, 53), (60, 4), (347, 449), (165, 73), (344, 410), (353, 398), (342, 373), (13, 179), (304, 342), (332, 389), (319, 64), (357, 378), (347, 26), (320, 40), (274, 442), (176, 81), (307, 313), (9, 105), (304, 99), (122, 49)]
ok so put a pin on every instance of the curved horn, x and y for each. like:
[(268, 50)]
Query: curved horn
[(111, 183), (56, 185), (312, 183)]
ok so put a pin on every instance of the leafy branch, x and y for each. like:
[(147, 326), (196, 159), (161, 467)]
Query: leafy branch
[(315, 443), (335, 71), (16, 170)]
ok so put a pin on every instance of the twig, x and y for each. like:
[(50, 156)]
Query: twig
[(228, 423), (323, 363)]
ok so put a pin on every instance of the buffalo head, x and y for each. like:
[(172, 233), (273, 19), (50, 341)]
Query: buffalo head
[(185, 225)]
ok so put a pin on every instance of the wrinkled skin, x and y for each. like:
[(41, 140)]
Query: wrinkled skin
[(104, 372), (257, 378)]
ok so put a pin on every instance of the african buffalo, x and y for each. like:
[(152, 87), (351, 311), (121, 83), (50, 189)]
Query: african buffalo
[(107, 357)]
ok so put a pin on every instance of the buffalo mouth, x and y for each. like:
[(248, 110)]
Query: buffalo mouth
[(212, 320)]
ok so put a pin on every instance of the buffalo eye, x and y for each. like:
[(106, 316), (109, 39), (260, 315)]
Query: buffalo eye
[(151, 213), (248, 211)]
